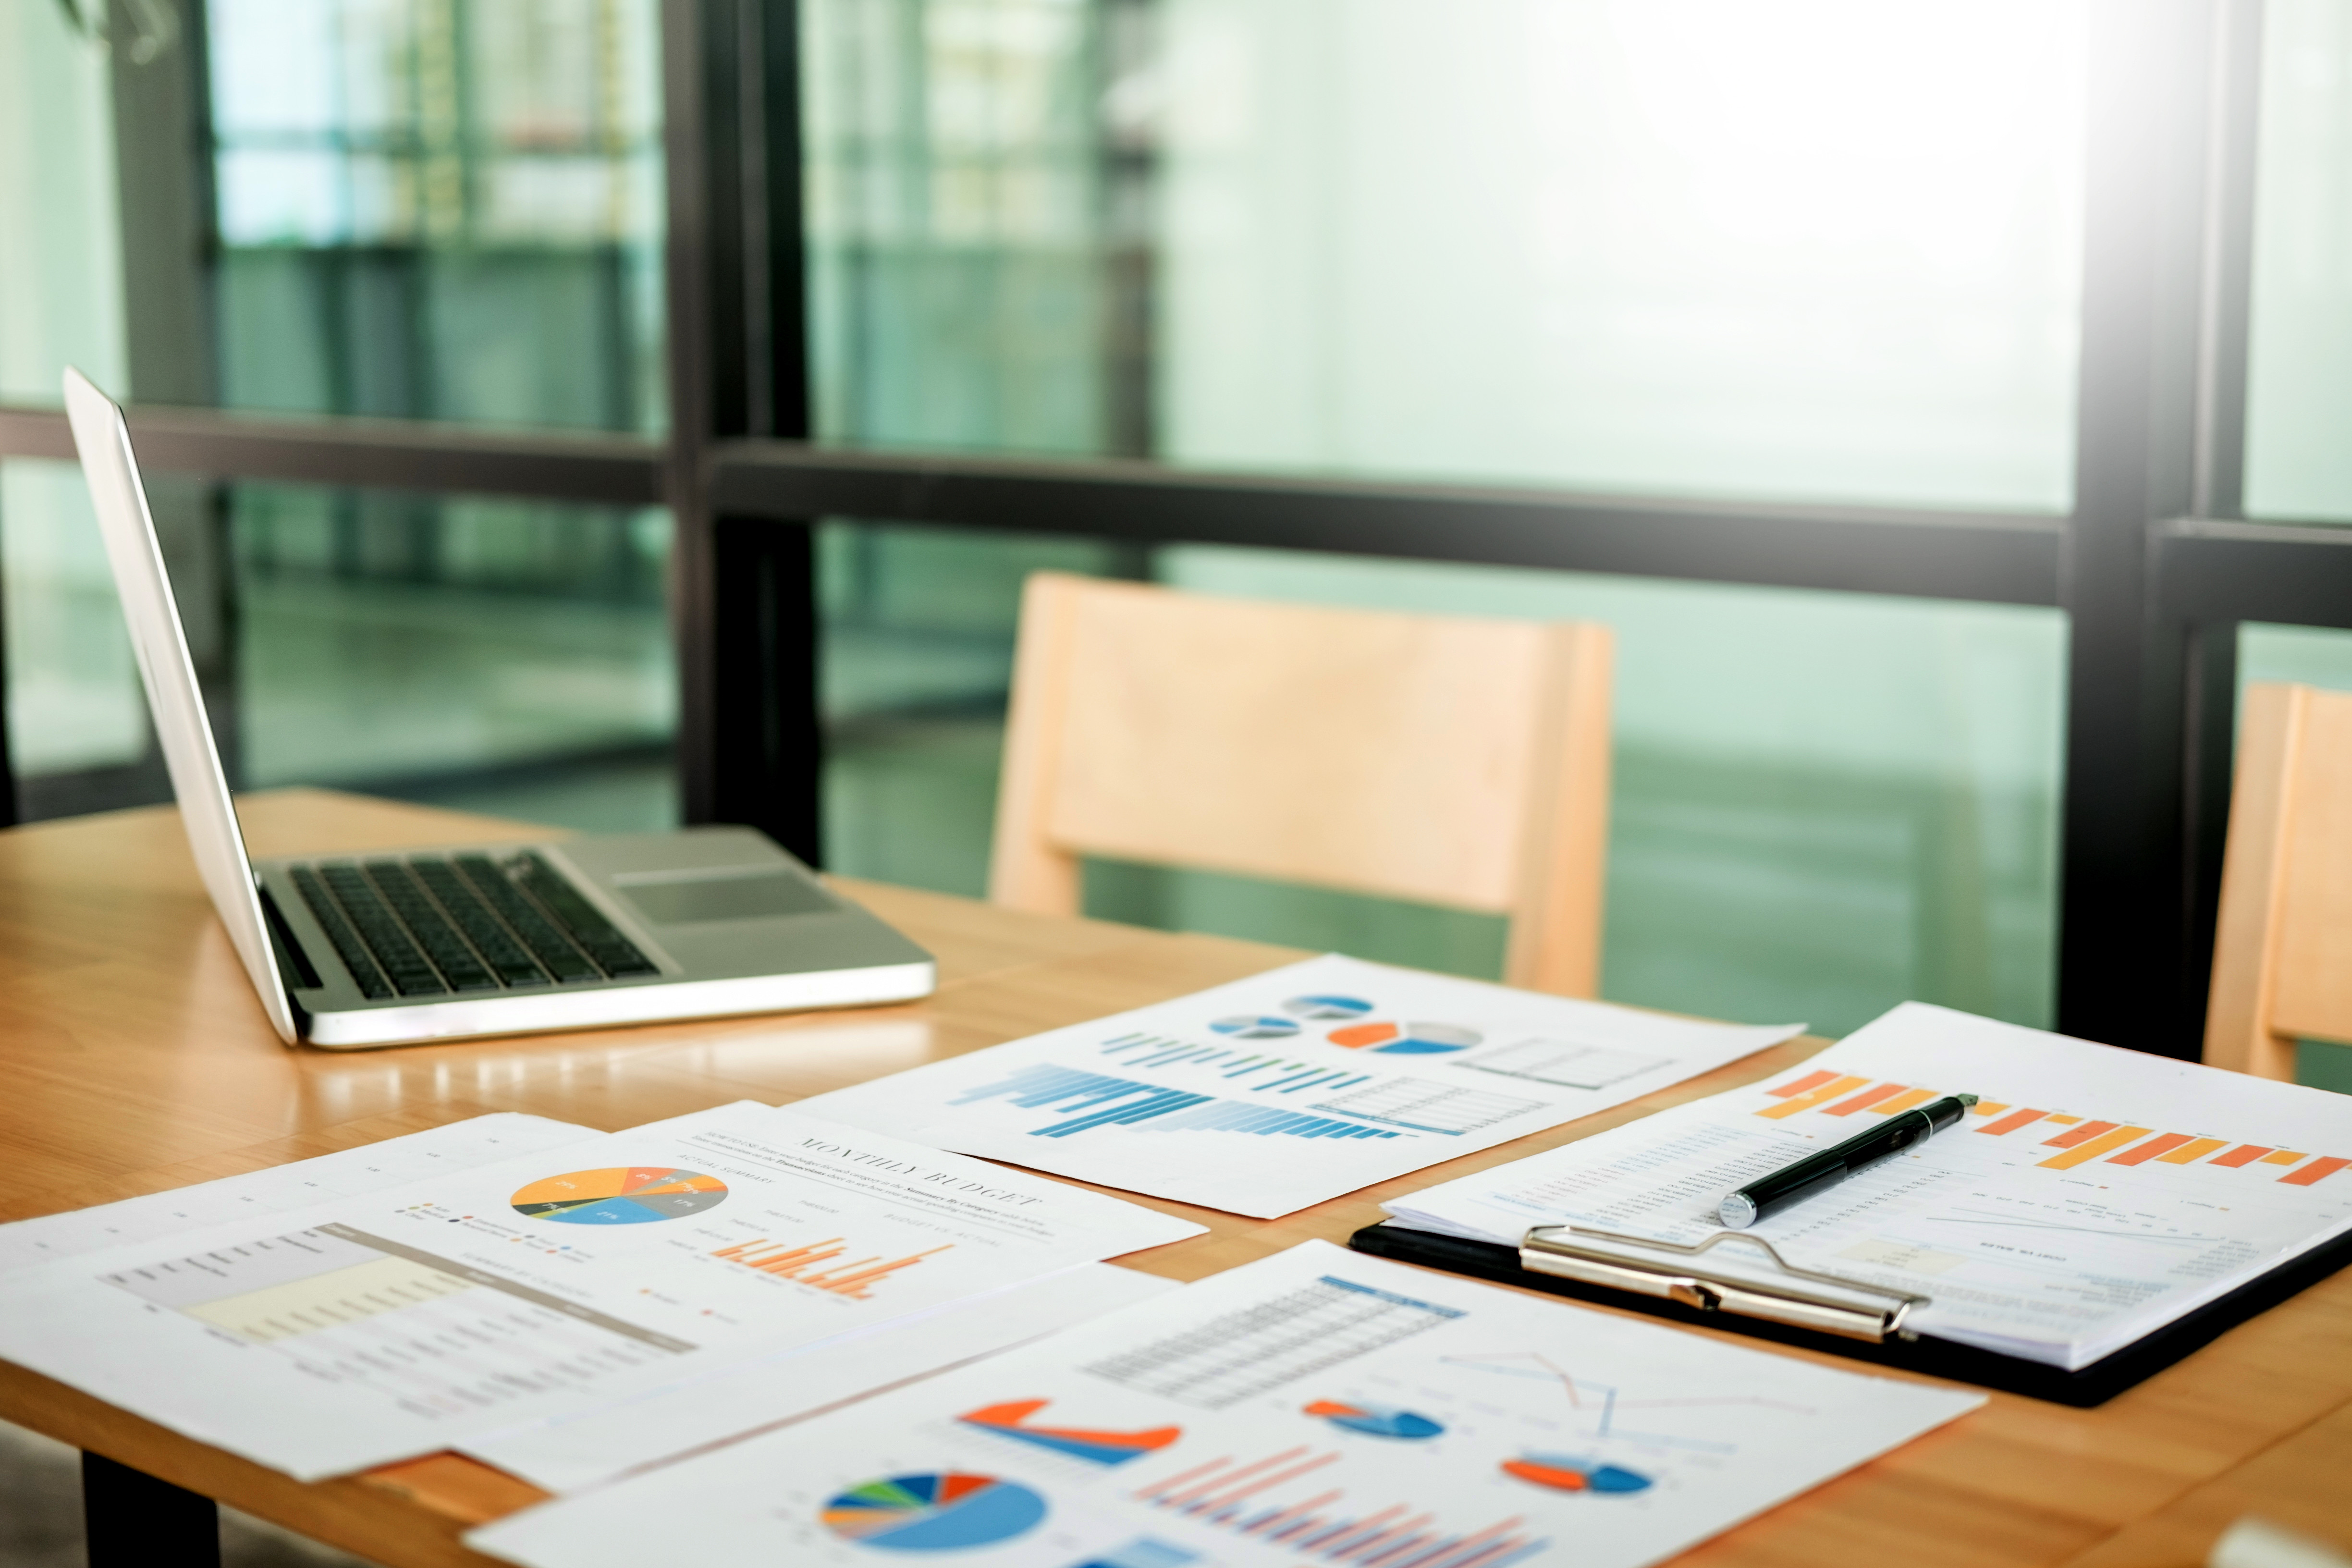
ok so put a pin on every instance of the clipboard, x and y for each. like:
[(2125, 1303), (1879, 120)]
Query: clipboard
[(1703, 1287)]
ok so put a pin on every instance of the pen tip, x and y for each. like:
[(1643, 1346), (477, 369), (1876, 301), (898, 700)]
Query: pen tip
[(1965, 1099)]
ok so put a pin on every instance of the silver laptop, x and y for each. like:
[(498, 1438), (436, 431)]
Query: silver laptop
[(392, 948)]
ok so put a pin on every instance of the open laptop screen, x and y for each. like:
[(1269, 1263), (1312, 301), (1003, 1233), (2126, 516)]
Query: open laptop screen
[(170, 678)]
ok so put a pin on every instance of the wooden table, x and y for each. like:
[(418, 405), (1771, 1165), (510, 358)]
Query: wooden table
[(136, 1058)]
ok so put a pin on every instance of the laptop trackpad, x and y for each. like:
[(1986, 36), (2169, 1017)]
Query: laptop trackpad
[(686, 899)]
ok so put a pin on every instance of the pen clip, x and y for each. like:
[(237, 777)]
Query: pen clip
[(1592, 1257)]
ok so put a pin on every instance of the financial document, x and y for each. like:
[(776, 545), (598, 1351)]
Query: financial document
[(1279, 1091), (593, 1447), (1317, 1406), (477, 1140), (2092, 1195), (367, 1328)]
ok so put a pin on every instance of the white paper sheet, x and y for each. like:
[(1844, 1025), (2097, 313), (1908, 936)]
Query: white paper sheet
[(2095, 1194), (1316, 1407), (371, 1328), (371, 1167), (1277, 1092), (598, 1446)]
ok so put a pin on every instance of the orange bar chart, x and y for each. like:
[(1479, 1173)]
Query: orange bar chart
[(804, 1264), (2077, 1139), (2097, 1146)]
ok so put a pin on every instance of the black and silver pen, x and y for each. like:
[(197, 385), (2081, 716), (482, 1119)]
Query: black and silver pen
[(1815, 1173)]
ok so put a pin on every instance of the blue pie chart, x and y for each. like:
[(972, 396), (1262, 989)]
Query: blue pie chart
[(1375, 1420), (946, 1511)]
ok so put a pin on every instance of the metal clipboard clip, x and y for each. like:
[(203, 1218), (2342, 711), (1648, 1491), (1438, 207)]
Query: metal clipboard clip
[(1673, 1270)]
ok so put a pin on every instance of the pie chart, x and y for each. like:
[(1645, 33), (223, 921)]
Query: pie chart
[(946, 1510), (1329, 1008), (1249, 1027), (1562, 1474), (630, 1195), (1375, 1420), (1405, 1039)]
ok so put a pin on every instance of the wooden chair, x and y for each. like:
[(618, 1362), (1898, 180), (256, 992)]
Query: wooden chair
[(2282, 948), (1446, 760)]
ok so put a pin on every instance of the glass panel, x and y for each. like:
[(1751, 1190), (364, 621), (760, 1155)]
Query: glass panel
[(2297, 393), (61, 273), (1616, 245), (511, 658), (439, 209), (74, 707)]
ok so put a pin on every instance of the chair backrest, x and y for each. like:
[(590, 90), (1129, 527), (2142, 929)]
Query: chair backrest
[(1446, 760), (2283, 946)]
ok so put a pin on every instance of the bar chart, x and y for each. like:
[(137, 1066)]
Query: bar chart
[(2072, 1140), (807, 1264), (1251, 1499), (1087, 1101)]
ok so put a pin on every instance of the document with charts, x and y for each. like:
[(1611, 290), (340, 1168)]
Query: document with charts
[(1276, 1092), (2094, 1195), (1314, 1408), (370, 1328), (590, 1447), (370, 1167)]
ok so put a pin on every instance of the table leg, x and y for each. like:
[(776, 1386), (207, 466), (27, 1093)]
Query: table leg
[(138, 1522)]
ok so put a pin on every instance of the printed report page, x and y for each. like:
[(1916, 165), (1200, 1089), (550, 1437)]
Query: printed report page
[(2092, 1195), (1270, 1094), (1317, 1406), (368, 1329)]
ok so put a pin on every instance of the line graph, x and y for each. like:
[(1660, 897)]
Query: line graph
[(1603, 1400)]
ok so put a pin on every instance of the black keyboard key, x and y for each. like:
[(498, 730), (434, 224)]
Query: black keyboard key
[(506, 956), (587, 925), (403, 962), (430, 927), (362, 967), (547, 944)]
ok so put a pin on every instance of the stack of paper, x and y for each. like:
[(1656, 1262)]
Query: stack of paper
[(1279, 1091), (1314, 1407), (2095, 1194), (535, 1288)]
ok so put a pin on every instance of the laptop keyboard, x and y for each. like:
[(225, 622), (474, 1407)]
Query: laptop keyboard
[(425, 926)]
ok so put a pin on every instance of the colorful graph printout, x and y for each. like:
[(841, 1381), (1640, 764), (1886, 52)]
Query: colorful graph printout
[(1406, 1039), (634, 1195), (948, 1510), (1563, 1474), (1375, 1420), (807, 1264), (2072, 1140), (1097, 1448)]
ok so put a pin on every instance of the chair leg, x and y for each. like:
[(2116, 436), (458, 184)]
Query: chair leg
[(137, 1522)]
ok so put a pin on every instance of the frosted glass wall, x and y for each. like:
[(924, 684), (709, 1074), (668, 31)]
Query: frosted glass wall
[(1825, 249), (2299, 368)]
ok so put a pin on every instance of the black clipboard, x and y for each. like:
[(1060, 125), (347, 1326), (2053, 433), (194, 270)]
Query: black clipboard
[(2094, 1384)]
